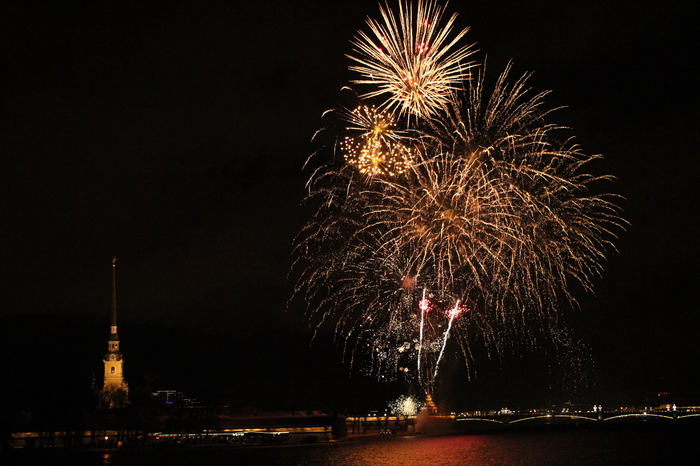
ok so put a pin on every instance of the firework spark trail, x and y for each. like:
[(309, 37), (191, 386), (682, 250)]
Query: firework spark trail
[(453, 313), (479, 199), (423, 305)]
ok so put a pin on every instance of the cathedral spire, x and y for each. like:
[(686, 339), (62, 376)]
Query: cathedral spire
[(115, 390), (114, 296)]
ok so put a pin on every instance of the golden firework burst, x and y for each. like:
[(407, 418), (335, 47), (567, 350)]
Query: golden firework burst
[(411, 58), (477, 207), (374, 146)]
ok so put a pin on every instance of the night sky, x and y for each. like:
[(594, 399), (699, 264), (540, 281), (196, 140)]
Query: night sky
[(172, 135)]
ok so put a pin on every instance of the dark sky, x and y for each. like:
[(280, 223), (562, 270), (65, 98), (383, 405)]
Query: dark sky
[(172, 135)]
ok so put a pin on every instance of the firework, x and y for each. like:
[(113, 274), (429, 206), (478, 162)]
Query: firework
[(369, 122), (374, 146), (478, 208), (452, 315), (411, 59), (405, 406)]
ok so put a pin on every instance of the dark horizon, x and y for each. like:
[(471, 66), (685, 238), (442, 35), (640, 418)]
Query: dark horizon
[(173, 137)]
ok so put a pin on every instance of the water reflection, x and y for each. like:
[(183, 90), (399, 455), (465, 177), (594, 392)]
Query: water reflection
[(634, 443), (403, 451)]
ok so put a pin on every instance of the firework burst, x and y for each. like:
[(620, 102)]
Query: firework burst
[(411, 59), (374, 145), (369, 122), (475, 221), (405, 406)]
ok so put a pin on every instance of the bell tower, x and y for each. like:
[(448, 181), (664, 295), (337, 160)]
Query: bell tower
[(114, 385)]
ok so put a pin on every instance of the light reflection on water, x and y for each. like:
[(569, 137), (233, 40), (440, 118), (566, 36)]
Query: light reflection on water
[(636, 445), (632, 444), (418, 450)]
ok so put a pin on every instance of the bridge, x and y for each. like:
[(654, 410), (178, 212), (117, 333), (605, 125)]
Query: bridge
[(375, 423), (515, 418)]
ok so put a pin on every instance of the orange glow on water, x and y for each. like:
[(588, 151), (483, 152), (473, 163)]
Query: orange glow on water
[(415, 450)]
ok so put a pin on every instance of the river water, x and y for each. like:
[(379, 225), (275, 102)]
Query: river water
[(653, 443)]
